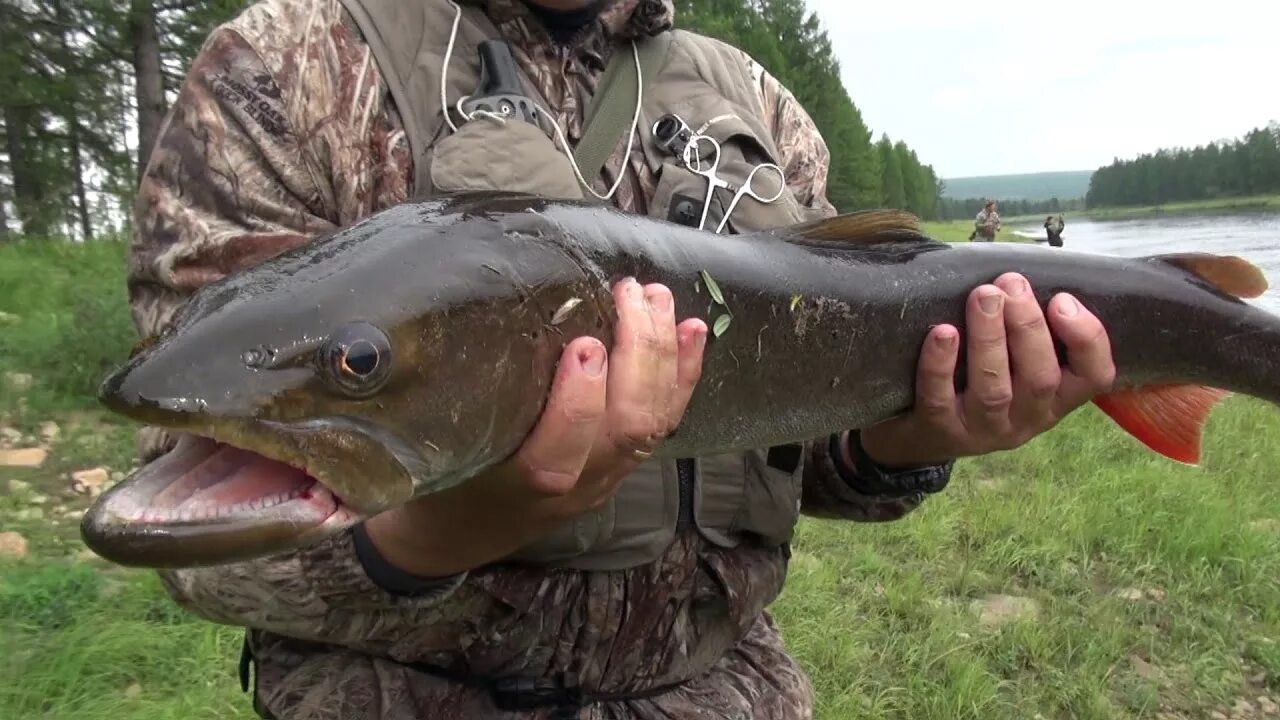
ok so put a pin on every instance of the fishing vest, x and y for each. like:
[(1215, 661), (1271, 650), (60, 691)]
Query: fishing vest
[(727, 497)]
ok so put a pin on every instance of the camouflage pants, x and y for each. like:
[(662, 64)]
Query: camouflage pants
[(757, 680)]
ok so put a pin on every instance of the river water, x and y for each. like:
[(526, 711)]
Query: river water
[(1254, 236)]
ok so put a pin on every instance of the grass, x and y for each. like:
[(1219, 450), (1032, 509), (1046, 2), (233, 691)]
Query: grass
[(1157, 584), (958, 230)]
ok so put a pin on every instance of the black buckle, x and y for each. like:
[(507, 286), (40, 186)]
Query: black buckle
[(525, 693)]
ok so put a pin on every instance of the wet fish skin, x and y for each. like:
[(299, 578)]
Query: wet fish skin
[(477, 296)]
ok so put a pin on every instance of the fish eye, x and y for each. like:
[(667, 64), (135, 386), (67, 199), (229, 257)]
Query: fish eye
[(356, 359)]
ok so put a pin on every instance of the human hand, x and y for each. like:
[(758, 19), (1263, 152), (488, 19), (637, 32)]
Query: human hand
[(1015, 388), (606, 412), (605, 416)]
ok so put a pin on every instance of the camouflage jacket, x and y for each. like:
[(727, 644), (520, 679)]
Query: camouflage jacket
[(284, 130)]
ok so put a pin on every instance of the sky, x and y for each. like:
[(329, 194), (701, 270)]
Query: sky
[(1009, 86)]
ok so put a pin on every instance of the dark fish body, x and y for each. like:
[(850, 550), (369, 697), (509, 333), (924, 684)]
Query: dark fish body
[(471, 301)]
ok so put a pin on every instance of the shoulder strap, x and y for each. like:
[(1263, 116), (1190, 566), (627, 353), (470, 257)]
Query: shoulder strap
[(609, 115)]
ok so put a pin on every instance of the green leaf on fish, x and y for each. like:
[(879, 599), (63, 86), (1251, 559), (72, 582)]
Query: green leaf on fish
[(795, 300), (712, 287), (721, 324)]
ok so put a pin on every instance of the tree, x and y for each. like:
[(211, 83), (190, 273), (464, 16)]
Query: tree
[(894, 187), (1245, 166)]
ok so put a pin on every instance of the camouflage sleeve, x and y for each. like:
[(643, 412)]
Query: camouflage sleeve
[(222, 190), (805, 160), (277, 136), (805, 157)]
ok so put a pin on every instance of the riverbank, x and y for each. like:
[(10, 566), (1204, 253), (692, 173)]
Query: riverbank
[(1194, 207), (1080, 576)]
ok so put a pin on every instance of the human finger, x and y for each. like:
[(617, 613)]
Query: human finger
[(988, 390), (692, 338), (552, 458), (1091, 369), (1033, 362), (633, 415), (662, 313)]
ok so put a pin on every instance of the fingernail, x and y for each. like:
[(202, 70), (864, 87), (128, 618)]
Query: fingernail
[(700, 338), (1069, 307), (945, 341), (990, 302), (1018, 288), (659, 300), (593, 361)]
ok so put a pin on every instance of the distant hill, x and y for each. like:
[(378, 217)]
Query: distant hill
[(1063, 185)]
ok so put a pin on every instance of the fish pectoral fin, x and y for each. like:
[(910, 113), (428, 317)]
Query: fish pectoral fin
[(1166, 418), (857, 228), (1230, 274)]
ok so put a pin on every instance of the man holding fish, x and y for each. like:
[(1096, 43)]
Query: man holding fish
[(588, 574)]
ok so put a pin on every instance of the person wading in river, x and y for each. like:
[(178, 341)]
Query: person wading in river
[(986, 224), (580, 579), (1053, 230)]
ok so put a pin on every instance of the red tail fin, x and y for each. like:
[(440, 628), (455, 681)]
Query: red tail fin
[(1166, 418)]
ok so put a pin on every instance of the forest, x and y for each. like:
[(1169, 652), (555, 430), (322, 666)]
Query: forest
[(87, 84), (1246, 166)]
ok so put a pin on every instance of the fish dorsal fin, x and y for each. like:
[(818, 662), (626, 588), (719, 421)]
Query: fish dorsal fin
[(866, 227), (1230, 274)]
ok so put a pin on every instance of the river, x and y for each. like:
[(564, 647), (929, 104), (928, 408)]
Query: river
[(1254, 236)]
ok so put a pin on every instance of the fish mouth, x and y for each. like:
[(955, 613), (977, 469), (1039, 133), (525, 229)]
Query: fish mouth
[(213, 500)]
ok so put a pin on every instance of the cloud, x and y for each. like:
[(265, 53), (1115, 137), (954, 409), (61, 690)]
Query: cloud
[(1009, 86)]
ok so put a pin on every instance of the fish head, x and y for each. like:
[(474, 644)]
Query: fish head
[(306, 398)]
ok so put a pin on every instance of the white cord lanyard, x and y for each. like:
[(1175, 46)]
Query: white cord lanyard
[(564, 144)]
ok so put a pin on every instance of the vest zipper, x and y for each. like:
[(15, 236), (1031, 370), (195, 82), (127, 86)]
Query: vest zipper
[(684, 473)]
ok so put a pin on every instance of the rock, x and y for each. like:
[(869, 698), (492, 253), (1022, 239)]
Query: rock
[(23, 457), (72, 513), (18, 487), (8, 318), (49, 431), (10, 436), (116, 477), (1243, 709), (995, 610), (1139, 594), (13, 545), (90, 482), (19, 381), (1268, 706), (1144, 669), (133, 691), (30, 513), (1266, 525), (1132, 594), (39, 499), (1216, 715)]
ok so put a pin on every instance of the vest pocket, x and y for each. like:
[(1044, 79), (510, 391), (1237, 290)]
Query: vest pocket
[(681, 193), (513, 156)]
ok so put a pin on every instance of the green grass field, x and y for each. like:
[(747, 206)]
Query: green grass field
[(1147, 589)]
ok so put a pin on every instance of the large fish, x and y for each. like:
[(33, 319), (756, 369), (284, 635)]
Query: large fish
[(404, 354)]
